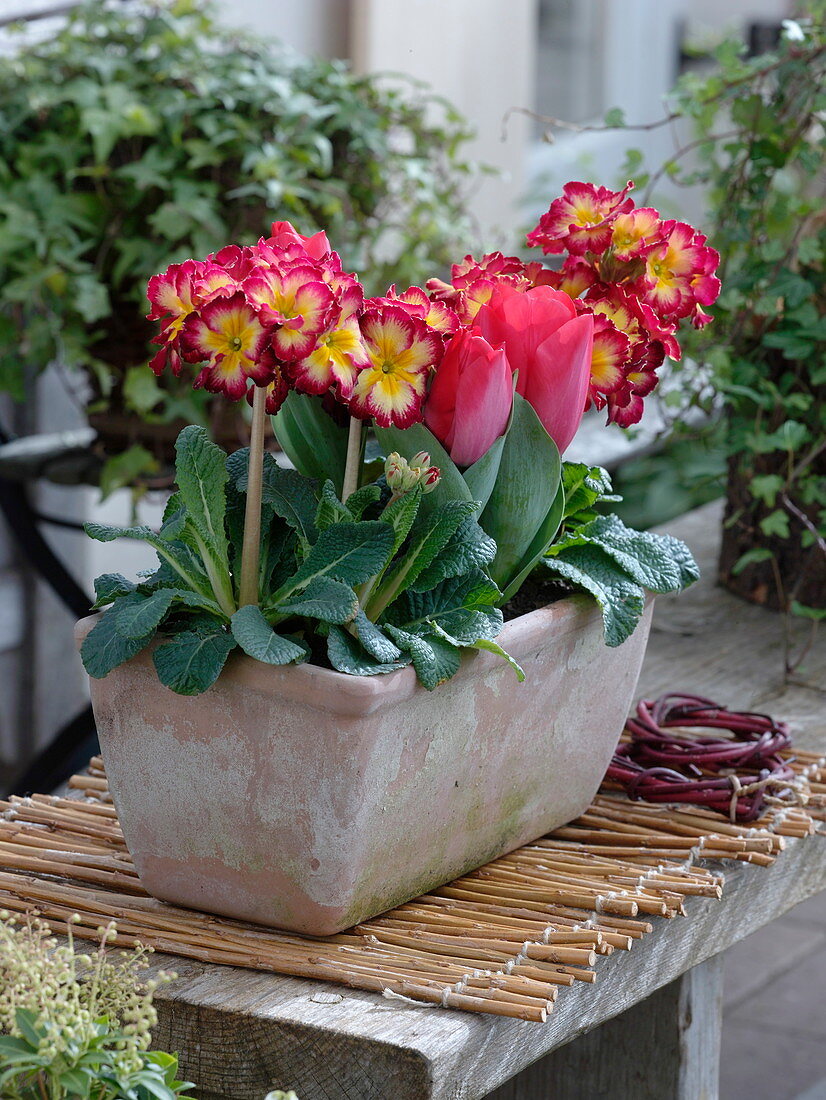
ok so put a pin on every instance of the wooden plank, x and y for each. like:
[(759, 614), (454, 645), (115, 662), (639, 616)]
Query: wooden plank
[(241, 1033), (666, 1046)]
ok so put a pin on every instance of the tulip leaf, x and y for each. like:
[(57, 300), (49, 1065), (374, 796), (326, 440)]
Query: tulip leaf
[(480, 478), (408, 442), (521, 507), (314, 443), (543, 538)]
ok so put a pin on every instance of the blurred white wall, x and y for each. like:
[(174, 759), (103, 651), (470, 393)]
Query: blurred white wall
[(478, 54)]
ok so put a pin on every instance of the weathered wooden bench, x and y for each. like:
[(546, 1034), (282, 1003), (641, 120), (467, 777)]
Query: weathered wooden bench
[(650, 1029)]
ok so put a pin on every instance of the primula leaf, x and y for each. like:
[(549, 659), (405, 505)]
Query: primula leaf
[(584, 486), (349, 552), (401, 515), (659, 563), (137, 615), (469, 548), (347, 655), (494, 647), (523, 497), (374, 640), (434, 658), (359, 501), (201, 474), (621, 600), (109, 586), (462, 606), (258, 639), (330, 509), (324, 598), (429, 536), (178, 556), (104, 648), (191, 662)]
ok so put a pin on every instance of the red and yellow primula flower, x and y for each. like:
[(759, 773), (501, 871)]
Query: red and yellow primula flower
[(228, 334), (402, 350), (581, 220)]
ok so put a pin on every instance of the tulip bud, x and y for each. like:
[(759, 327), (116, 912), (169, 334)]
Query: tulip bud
[(430, 478)]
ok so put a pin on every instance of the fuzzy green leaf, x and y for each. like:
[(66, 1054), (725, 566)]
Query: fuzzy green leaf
[(104, 648), (349, 552), (374, 640), (258, 639), (330, 509), (109, 586), (136, 616), (201, 474), (659, 563), (621, 600), (428, 538), (291, 496), (347, 655), (435, 659), (359, 501), (462, 606), (191, 662), (323, 598), (469, 548)]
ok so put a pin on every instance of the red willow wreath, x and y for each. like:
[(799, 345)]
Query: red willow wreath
[(727, 774)]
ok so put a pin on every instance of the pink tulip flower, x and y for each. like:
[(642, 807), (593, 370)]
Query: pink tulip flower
[(470, 398), (550, 346)]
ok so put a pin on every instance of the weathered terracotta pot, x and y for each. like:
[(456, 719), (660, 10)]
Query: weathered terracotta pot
[(308, 800)]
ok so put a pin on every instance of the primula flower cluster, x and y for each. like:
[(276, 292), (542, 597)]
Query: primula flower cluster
[(638, 275), (282, 314)]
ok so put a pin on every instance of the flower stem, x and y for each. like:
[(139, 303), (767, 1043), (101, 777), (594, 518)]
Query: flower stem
[(351, 469), (250, 550)]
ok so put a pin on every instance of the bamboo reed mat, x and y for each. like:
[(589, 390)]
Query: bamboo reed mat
[(504, 939)]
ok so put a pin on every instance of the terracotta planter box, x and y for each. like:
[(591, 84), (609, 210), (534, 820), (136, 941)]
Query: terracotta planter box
[(309, 800)]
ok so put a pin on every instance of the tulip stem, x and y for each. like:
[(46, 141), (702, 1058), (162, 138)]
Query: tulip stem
[(353, 464), (251, 548)]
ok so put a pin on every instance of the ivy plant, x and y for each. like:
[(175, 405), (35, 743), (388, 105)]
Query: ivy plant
[(143, 133)]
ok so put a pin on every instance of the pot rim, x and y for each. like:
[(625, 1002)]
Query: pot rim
[(361, 694)]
